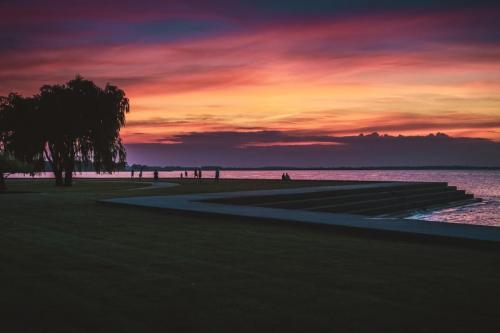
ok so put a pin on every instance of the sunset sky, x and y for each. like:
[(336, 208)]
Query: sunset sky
[(300, 68)]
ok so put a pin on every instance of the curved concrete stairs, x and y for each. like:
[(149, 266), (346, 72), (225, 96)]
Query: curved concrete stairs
[(397, 200)]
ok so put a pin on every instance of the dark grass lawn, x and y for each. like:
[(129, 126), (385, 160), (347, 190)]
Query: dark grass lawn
[(70, 265)]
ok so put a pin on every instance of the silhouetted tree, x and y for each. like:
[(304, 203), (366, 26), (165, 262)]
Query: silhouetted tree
[(67, 125), (9, 165), (20, 135)]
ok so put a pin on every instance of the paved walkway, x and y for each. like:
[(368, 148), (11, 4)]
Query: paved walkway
[(195, 203)]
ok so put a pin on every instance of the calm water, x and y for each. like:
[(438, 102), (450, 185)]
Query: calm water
[(483, 184)]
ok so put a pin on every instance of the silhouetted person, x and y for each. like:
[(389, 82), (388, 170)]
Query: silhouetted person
[(132, 174), (140, 174), (195, 173), (185, 174), (285, 176), (155, 175), (182, 175), (199, 173), (217, 175)]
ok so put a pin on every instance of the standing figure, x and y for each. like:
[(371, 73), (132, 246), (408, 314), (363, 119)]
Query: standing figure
[(217, 175), (140, 174), (185, 174), (132, 173), (155, 175), (195, 173), (199, 173)]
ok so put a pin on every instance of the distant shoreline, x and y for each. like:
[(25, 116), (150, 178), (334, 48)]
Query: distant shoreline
[(211, 167), (138, 167)]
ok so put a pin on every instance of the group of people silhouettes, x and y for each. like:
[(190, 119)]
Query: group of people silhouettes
[(132, 173), (156, 175), (198, 174)]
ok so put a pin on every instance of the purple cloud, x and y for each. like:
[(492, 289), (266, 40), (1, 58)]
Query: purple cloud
[(239, 149)]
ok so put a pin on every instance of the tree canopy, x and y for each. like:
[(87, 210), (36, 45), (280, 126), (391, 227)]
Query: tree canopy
[(66, 125)]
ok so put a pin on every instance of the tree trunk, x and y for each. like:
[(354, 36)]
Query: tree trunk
[(58, 176), (55, 165), (3, 186), (68, 178), (69, 167)]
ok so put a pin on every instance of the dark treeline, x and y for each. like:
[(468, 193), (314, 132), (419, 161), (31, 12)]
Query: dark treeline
[(67, 126)]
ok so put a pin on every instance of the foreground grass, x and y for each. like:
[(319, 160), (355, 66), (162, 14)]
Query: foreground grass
[(67, 264)]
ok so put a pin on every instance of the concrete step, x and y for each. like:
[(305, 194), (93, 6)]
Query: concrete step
[(412, 206), (389, 201), (275, 199), (405, 212), (399, 198), (329, 199)]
